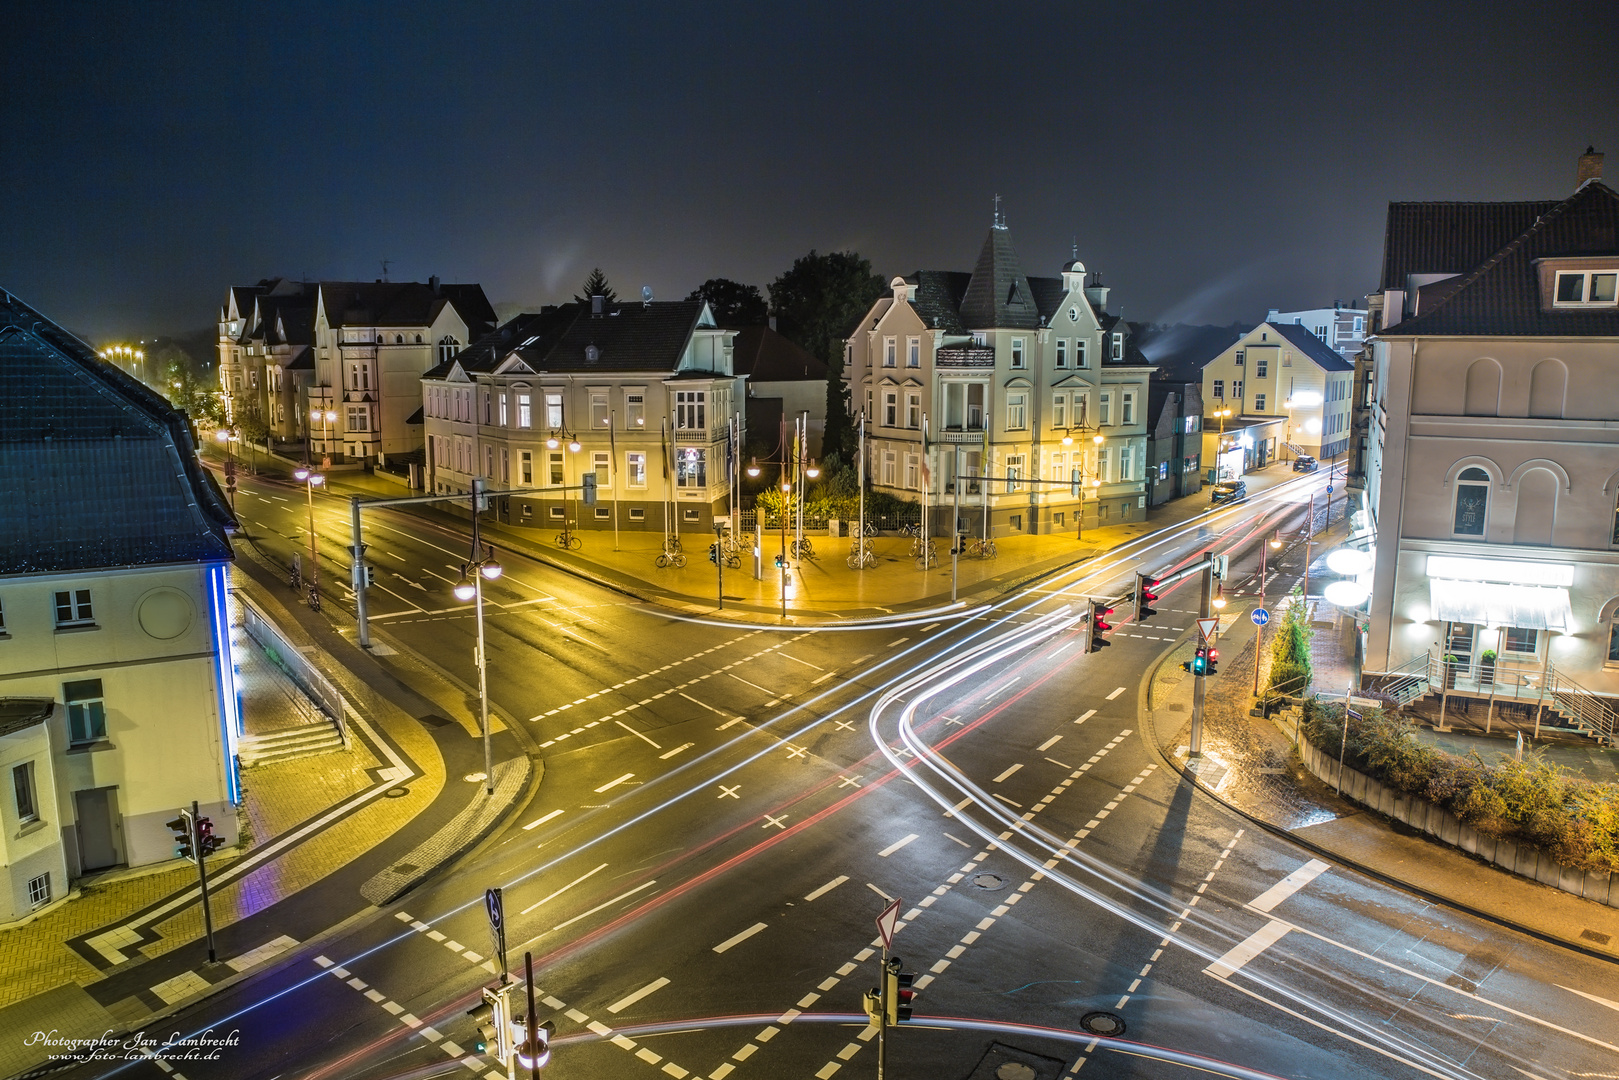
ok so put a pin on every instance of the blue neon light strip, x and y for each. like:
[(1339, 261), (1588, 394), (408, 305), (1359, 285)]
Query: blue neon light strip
[(230, 707)]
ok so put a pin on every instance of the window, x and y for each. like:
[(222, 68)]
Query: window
[(73, 608), (1219, 388), (505, 465), (598, 410), (525, 411), (634, 411), (1613, 640), (1236, 389), (1163, 470), (525, 460), (418, 339), (1062, 352), (1521, 640), (1017, 411), (553, 411), (1191, 424), (888, 352), (1059, 411), (22, 789), (556, 468), (1107, 409), (1080, 357), (1017, 353), (86, 711), (1259, 403), (637, 513), (889, 464), (691, 468), (447, 347), (1472, 502), (1615, 540), (1241, 356), (870, 412), (1101, 465), (913, 352), (488, 460), (913, 472), (690, 409), (602, 463), (2, 618), (890, 409), (39, 891), (1118, 346), (504, 420), (635, 469), (1127, 408), (913, 411), (556, 513), (1261, 368), (359, 418), (1014, 472), (1287, 359), (1125, 457)]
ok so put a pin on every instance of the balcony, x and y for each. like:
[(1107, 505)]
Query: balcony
[(972, 435), (964, 356), (699, 436)]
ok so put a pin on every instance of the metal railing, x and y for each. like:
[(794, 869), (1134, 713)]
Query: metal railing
[(1522, 682), (285, 655)]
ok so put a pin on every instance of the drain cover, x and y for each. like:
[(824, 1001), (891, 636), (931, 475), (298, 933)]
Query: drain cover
[(475, 777), (396, 793), (1014, 1070), (989, 881), (1102, 1023)]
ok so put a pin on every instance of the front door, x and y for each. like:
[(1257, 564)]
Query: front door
[(99, 828)]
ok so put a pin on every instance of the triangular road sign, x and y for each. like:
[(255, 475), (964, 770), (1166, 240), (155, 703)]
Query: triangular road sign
[(1207, 627), (886, 921)]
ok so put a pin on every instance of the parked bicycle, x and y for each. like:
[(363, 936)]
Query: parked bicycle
[(568, 540), (978, 549), (314, 597), (803, 549), (671, 555), (861, 555), (927, 556), (716, 552), (870, 529), (913, 530)]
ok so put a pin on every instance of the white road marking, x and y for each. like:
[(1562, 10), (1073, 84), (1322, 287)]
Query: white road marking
[(776, 821), (728, 793), (822, 678), (730, 722), (957, 808), (931, 626), (1292, 883), (756, 686), (625, 1002), (796, 660), (739, 938), (1060, 648), (1116, 693), (667, 754), (895, 846), (897, 641), (1054, 761), (637, 734), (537, 822), (1614, 1005), (1003, 686), (1086, 715), (1004, 799), (828, 887), (1049, 743), (609, 903), (879, 892), (614, 783), (1002, 778), (1256, 943), (564, 889)]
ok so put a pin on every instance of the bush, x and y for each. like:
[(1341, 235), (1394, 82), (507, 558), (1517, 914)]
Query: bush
[(1290, 648), (1532, 801)]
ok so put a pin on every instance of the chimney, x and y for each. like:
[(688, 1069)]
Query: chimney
[(1096, 292), (432, 283), (1590, 167), (596, 303)]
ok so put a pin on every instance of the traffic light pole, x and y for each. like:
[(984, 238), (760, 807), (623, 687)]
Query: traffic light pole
[(202, 875), (1198, 680), (882, 1016)]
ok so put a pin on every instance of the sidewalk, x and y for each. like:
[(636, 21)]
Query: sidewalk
[(1250, 764)]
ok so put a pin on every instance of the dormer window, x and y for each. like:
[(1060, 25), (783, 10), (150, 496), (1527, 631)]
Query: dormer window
[(1586, 287)]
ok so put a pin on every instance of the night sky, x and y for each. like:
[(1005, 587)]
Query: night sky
[(1212, 160)]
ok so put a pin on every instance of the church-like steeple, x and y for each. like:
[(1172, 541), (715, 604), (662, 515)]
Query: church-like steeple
[(998, 295)]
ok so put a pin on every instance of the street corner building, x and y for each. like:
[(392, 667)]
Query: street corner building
[(117, 696), (641, 395), (1489, 439), (1029, 383)]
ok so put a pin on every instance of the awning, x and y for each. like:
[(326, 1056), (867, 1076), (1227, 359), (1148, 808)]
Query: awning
[(1523, 606)]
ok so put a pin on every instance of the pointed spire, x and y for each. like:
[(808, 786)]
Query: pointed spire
[(1000, 220), (998, 294)]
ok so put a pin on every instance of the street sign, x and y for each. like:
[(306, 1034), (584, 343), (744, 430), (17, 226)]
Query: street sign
[(1260, 616), (886, 921), (492, 903), (1207, 627)]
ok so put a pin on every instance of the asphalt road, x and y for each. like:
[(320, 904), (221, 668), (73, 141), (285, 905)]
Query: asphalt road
[(726, 809)]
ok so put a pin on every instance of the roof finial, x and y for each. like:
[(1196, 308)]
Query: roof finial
[(1074, 252), (1000, 222)]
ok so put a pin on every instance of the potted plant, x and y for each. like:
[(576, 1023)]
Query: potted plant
[(1486, 667), (1450, 671)]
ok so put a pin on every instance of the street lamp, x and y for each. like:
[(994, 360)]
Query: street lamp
[(480, 566), (327, 418), (311, 480)]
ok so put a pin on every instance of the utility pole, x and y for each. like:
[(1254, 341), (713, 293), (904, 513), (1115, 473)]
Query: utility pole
[(955, 526), (1203, 609), (358, 571)]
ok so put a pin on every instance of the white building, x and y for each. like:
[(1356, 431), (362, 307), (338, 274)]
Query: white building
[(1029, 377), (1341, 327), (114, 646), (1498, 520)]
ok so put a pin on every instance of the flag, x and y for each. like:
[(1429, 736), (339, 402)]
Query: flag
[(927, 473)]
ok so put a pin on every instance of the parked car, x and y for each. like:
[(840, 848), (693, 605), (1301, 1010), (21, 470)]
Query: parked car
[(1229, 491), (1305, 463)]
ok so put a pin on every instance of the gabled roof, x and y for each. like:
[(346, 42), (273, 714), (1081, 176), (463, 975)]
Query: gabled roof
[(764, 355), (1324, 355), (999, 296), (96, 470), (404, 303), (938, 298), (1450, 237), (626, 337), (1133, 356), (1500, 295)]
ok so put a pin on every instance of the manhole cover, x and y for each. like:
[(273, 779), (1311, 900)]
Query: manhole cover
[(406, 868), (396, 793), (990, 882), (1014, 1070), (475, 777), (1102, 1023)]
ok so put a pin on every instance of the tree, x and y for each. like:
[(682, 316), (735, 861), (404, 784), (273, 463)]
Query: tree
[(596, 285), (817, 301), (733, 303)]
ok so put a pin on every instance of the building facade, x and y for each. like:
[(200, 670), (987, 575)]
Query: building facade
[(336, 365), (1174, 441), (114, 643), (642, 395), (1282, 370), (1496, 343), (993, 379), (784, 381), (1341, 327)]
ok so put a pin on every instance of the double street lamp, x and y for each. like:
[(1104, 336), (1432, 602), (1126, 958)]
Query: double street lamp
[(326, 417), (312, 480), (480, 566)]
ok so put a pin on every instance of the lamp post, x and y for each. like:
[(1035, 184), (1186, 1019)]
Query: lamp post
[(327, 418), (479, 566), (227, 437), (1219, 443), (786, 489), (1273, 544), (311, 481)]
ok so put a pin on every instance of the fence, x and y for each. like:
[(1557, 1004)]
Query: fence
[(1535, 686), (286, 656)]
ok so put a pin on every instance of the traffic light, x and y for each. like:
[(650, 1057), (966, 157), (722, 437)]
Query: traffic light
[(898, 995), (365, 576), (1099, 625), (182, 835), (1211, 656), (1200, 662), (873, 1001), (1145, 597), (590, 488), (484, 1014), (714, 553), (207, 842)]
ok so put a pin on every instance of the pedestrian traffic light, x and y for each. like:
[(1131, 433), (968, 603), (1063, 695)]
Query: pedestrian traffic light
[(873, 1001), (1099, 625), (898, 994), (1211, 657), (1146, 596), (1200, 661), (182, 836), (590, 488), (714, 553)]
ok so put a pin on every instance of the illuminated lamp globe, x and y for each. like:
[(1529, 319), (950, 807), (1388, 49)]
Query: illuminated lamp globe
[(1346, 594), (222, 435), (1219, 601), (551, 443), (1349, 561), (1097, 439), (812, 471), (753, 467), (1067, 439), (301, 474), (574, 445), (1275, 543), (465, 590), (491, 570), (317, 479)]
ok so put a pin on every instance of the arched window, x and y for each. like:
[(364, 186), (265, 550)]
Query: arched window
[(1472, 502), (379, 337), (418, 339), (399, 339), (447, 347), (1548, 384), (1536, 516), (1483, 389)]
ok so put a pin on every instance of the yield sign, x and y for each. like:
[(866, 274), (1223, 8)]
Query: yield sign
[(886, 921), (1207, 627)]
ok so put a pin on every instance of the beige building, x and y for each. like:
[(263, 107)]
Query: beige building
[(1496, 340), (119, 695), (1281, 371), (642, 395), (1013, 377)]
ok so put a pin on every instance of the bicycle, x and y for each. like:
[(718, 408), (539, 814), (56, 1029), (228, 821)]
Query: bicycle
[(978, 549), (916, 545), (716, 552), (870, 529), (803, 549), (569, 540), (927, 556), (861, 555), (671, 555), (314, 597), (914, 531)]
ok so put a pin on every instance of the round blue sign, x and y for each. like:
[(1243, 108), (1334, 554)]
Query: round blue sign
[(1260, 616)]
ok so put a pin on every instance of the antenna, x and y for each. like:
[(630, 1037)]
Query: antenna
[(999, 222), (385, 263), (1074, 254)]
